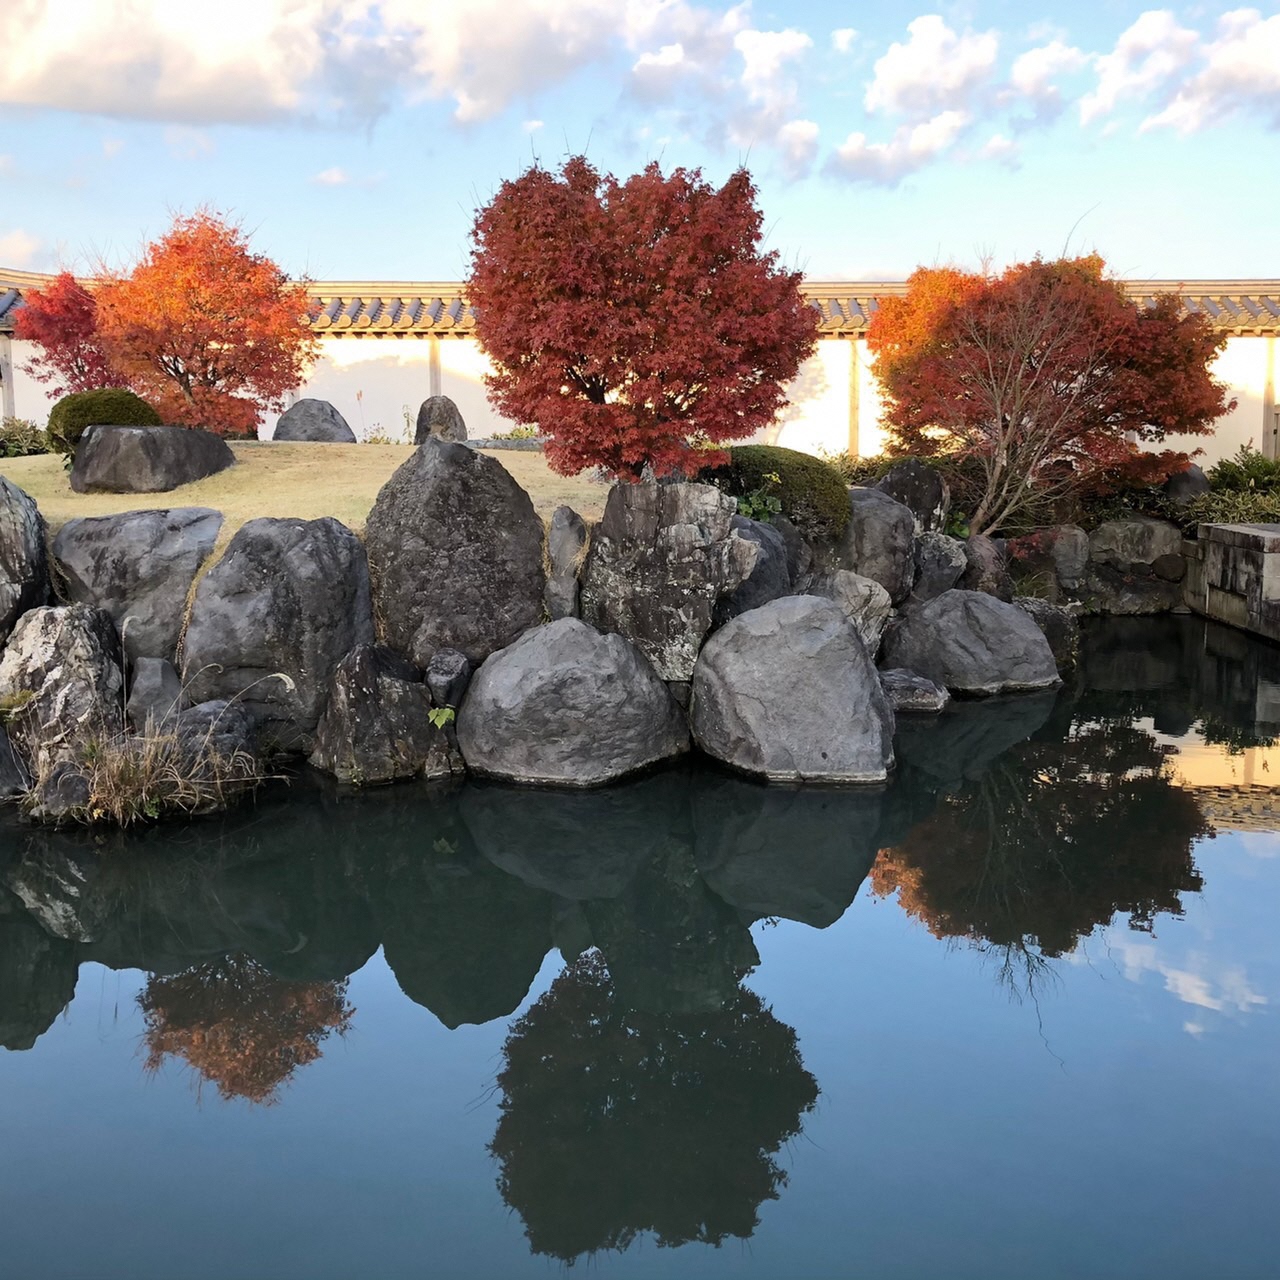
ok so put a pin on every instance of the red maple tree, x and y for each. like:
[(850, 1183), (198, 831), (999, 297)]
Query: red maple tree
[(210, 333), (1044, 379), (634, 322), (61, 319)]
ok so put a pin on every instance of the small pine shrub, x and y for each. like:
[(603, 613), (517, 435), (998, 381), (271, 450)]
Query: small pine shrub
[(1248, 470), (860, 469), (1229, 506), (107, 406), (810, 492), (21, 439)]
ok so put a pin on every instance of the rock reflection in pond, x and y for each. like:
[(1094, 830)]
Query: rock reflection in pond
[(614, 1122), (37, 978), (1052, 840), (239, 1027)]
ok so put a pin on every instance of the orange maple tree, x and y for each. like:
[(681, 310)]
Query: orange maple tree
[(210, 333), (637, 322), (61, 320), (1043, 379)]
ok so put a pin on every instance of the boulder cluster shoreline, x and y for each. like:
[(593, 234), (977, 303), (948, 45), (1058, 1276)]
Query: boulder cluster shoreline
[(462, 635)]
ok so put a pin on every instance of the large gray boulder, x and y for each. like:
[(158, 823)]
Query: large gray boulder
[(788, 692), (24, 568), (1135, 567), (139, 567), (940, 563), (567, 706), (770, 576), (1059, 625), (314, 422), (566, 551), (972, 643), (865, 603), (377, 724), (61, 677), (146, 459), (921, 488), (879, 542), (439, 418), (155, 693), (1186, 486), (987, 567), (455, 550), (273, 618), (660, 559)]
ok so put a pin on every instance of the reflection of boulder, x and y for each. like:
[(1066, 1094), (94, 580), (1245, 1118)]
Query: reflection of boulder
[(615, 1123), (577, 844), (37, 980), (463, 939), (797, 853), (967, 737)]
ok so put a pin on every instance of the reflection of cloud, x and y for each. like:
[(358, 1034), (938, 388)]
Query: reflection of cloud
[(1194, 982)]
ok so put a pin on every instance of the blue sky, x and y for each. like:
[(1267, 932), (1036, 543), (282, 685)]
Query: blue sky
[(355, 138)]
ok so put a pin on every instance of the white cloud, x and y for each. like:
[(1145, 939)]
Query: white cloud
[(18, 248), (842, 39), (998, 147), (764, 57), (797, 143), (334, 177), (1147, 56), (1034, 73), (935, 71), (1241, 74), (185, 143), (910, 148), (531, 126)]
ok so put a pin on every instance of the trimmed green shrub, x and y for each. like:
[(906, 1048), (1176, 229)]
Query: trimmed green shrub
[(106, 407), (809, 492), (1247, 470), (21, 439), (1230, 506)]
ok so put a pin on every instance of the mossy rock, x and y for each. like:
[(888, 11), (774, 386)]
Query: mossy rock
[(812, 493), (105, 407)]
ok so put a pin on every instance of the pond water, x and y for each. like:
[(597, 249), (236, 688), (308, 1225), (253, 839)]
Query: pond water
[(1013, 1016)]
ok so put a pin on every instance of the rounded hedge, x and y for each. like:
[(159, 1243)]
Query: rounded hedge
[(812, 493), (105, 407)]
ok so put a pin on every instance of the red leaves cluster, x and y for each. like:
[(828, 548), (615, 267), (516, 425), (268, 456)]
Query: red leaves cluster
[(1048, 376), (62, 320), (634, 322), (209, 333)]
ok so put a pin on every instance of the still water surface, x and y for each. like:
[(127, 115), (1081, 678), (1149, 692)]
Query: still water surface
[(1013, 1016)]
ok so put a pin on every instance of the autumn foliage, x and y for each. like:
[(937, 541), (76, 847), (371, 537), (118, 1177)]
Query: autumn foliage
[(240, 1027), (62, 320), (1045, 380), (209, 333), (634, 322)]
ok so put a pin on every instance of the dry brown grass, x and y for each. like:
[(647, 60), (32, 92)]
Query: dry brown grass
[(302, 480)]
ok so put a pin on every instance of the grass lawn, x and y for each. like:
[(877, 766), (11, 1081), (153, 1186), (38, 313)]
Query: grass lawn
[(303, 480)]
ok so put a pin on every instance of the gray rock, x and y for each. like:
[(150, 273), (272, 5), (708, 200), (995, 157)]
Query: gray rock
[(315, 422), (1128, 593), (273, 618), (921, 488), (1138, 541), (879, 542), (1059, 626), (566, 551), (64, 790), (14, 779), (567, 706), (24, 568), (799, 552), (155, 693), (139, 567), (1186, 486), (909, 692), (439, 418), (769, 578), (377, 726), (798, 853), (972, 643), (1069, 553), (218, 726), (448, 674), (1135, 567), (659, 560), (788, 692), (455, 549), (987, 567), (940, 563), (67, 661), (864, 602), (146, 459)]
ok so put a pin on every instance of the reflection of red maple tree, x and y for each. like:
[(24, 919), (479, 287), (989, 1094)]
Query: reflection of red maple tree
[(1054, 840), (239, 1026)]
